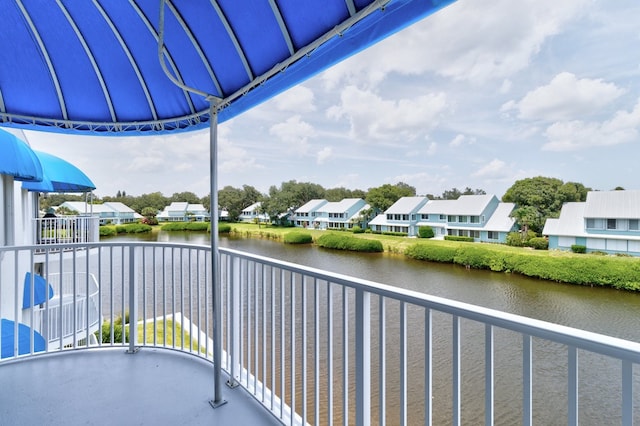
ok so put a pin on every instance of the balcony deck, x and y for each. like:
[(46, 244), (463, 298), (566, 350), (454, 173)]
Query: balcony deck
[(106, 385)]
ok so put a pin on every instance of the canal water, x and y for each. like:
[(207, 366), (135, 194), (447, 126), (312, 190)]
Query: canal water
[(602, 310)]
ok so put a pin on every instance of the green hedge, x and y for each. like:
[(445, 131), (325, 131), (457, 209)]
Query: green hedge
[(107, 231), (539, 243), (456, 238), (577, 248), (298, 238), (348, 242), (617, 272), (223, 228), (187, 226), (130, 228)]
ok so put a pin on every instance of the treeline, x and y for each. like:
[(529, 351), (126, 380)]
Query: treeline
[(536, 199)]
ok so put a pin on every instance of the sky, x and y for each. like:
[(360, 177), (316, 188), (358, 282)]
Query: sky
[(480, 94)]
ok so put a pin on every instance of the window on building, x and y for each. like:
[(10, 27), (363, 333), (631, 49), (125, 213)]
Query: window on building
[(492, 235), (475, 234), (389, 217), (475, 219), (443, 217), (405, 217), (633, 225), (462, 219), (451, 219), (611, 223)]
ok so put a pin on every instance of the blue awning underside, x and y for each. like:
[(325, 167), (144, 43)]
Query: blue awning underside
[(94, 67), (17, 159), (59, 176)]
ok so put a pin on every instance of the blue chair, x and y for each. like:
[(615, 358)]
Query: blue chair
[(39, 290), (24, 339)]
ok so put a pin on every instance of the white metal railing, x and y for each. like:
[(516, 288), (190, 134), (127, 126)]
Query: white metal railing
[(66, 229), (316, 347), (70, 313)]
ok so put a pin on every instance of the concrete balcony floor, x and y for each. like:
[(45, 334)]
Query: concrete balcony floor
[(108, 386)]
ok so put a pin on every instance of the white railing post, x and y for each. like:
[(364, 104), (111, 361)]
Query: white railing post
[(133, 301), (363, 357), (234, 311)]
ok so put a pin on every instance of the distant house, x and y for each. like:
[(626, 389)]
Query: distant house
[(481, 217), (252, 213), (183, 212), (402, 216), (112, 212), (305, 215), (343, 214), (607, 221)]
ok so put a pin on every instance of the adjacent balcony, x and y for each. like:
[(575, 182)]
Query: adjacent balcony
[(66, 229), (282, 343)]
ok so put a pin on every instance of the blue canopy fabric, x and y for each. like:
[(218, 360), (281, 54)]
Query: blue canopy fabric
[(59, 176), (17, 159), (40, 287), (99, 67), (7, 331)]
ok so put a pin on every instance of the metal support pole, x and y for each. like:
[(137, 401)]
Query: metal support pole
[(133, 302), (363, 357), (215, 258)]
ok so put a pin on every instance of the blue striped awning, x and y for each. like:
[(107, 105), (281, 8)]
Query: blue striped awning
[(59, 176), (17, 159), (124, 67)]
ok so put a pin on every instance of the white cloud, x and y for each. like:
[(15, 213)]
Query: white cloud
[(495, 169), (564, 98), (624, 127), (372, 117), (460, 139), (473, 40), (324, 154), (432, 149), (298, 99), (295, 133)]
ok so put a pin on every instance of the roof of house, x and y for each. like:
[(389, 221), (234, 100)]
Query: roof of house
[(118, 206), (252, 207), (406, 205), (177, 206), (471, 205), (613, 204), (196, 208), (340, 206), (311, 205), (570, 222), (500, 219)]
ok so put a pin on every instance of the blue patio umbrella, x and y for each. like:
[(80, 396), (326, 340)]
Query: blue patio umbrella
[(7, 328), (17, 159), (59, 176)]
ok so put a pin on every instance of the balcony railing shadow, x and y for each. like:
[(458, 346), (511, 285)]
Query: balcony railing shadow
[(314, 347)]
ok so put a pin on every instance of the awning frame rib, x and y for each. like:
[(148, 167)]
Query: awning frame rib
[(91, 58), (127, 52), (283, 27), (234, 40), (174, 67), (196, 45), (351, 7), (47, 58)]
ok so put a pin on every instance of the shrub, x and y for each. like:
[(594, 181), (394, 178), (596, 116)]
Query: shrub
[(223, 228), (539, 243), (357, 230), (456, 238), (197, 226), (425, 232), (120, 229), (577, 248), (189, 226), (107, 231), (395, 234), (347, 242), (599, 253), (297, 238), (431, 253), (117, 331), (136, 228), (519, 239)]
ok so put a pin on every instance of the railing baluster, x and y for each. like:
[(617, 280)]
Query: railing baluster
[(572, 386), (527, 370), (627, 393), (133, 301), (329, 353), (235, 306), (403, 364), (345, 356), (283, 366), (428, 367), (264, 333), (303, 312), (456, 369), (292, 337), (273, 337), (382, 354), (363, 357), (488, 375), (316, 352)]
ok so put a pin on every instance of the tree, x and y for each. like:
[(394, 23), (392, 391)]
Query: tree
[(384, 196), (544, 194), (231, 200), (185, 197), (339, 194)]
